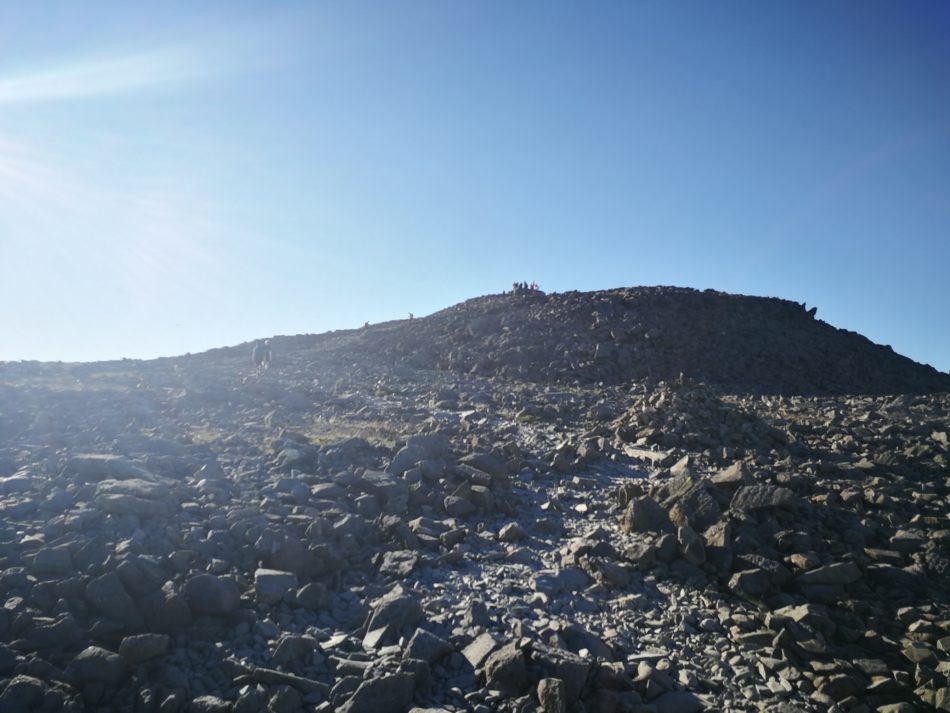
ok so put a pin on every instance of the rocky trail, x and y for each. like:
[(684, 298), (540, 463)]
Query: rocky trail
[(516, 504)]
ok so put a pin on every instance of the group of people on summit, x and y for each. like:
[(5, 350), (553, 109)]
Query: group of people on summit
[(521, 287)]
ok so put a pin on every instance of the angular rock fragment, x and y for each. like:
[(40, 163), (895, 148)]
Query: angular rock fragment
[(273, 586), (644, 514), (552, 695), (97, 665), (479, 649), (386, 694), (427, 647), (211, 595), (96, 467), (142, 647), (836, 574), (23, 694), (570, 668), (755, 497), (505, 671)]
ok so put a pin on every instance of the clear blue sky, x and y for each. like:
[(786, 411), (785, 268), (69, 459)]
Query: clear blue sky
[(180, 176)]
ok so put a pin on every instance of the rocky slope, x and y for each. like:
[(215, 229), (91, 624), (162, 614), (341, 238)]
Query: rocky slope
[(742, 344), (373, 526)]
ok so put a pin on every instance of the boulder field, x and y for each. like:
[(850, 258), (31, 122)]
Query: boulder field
[(611, 502)]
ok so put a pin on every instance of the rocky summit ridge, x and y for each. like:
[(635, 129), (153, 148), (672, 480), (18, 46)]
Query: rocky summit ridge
[(633, 501), (738, 343)]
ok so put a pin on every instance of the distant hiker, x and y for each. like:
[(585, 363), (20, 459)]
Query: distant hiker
[(261, 355), (514, 287), (534, 286), (410, 315)]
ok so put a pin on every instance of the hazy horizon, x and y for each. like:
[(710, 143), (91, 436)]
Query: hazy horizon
[(179, 178)]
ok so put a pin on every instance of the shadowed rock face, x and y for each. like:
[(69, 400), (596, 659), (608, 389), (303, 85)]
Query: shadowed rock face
[(738, 343), (370, 525)]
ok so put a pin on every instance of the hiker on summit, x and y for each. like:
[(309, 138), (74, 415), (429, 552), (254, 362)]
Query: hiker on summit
[(261, 355)]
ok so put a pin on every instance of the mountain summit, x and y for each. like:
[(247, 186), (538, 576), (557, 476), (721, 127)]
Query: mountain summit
[(738, 343), (505, 506)]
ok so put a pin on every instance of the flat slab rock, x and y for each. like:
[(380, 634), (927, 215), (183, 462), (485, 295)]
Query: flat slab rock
[(101, 466), (754, 497), (386, 694)]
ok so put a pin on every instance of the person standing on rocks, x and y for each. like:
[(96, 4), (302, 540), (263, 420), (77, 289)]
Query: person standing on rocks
[(261, 355)]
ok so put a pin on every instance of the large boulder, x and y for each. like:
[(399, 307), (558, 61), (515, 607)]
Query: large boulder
[(391, 613), (93, 467), (273, 586), (390, 693), (505, 671), (756, 497), (109, 597), (644, 514), (211, 595), (97, 665)]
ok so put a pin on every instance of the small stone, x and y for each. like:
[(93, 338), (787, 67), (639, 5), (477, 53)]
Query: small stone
[(479, 649), (386, 694), (573, 670), (8, 660), (427, 647), (645, 514), (391, 613), (678, 702), (23, 694), (313, 596), (97, 665), (107, 594), (166, 611), (750, 582), (398, 564), (838, 573), (505, 671), (755, 497), (512, 532), (456, 506), (53, 562), (569, 579), (732, 477), (918, 652), (273, 586), (553, 695), (214, 596), (691, 545), (209, 704), (902, 707), (295, 648), (136, 649), (285, 699)]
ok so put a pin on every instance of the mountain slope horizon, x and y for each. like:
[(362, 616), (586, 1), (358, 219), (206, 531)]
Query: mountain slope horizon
[(734, 342)]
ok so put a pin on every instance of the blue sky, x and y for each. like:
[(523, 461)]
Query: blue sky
[(180, 176)]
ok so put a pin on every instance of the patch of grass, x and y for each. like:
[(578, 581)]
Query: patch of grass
[(206, 434), (376, 432)]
